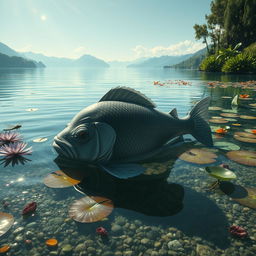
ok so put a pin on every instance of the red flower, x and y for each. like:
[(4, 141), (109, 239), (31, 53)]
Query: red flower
[(238, 231), (221, 131), (101, 231), (244, 96), (29, 208)]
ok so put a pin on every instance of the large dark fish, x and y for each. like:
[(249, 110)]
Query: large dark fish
[(125, 127)]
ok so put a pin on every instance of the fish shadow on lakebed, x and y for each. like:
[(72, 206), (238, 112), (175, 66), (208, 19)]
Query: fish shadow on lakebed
[(156, 202)]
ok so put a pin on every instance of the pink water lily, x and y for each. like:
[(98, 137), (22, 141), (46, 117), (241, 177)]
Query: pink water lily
[(9, 137), (13, 150)]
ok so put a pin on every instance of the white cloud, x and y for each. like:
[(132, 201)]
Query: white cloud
[(79, 49), (181, 48)]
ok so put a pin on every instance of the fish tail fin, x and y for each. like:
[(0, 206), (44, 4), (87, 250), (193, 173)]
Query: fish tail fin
[(199, 116)]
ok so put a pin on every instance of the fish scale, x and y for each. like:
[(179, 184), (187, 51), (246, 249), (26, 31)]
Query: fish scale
[(138, 129)]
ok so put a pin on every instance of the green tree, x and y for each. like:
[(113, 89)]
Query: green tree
[(202, 33), (240, 22), (215, 23)]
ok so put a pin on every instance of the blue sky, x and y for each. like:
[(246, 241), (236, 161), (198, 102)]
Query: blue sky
[(107, 29)]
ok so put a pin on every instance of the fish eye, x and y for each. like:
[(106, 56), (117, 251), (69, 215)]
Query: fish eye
[(82, 134)]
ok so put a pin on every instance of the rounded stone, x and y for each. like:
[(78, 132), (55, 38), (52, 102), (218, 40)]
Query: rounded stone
[(175, 245), (145, 241), (116, 228), (66, 248)]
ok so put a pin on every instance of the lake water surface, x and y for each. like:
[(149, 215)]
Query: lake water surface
[(198, 226)]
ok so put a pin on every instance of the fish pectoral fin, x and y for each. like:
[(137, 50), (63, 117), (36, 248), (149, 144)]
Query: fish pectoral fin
[(123, 171), (174, 113)]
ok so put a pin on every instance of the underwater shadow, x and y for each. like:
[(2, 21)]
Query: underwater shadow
[(155, 202), (147, 194)]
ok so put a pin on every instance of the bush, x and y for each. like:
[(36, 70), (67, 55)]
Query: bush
[(211, 64), (241, 63), (251, 49)]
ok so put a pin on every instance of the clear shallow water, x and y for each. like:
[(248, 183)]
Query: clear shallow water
[(59, 94)]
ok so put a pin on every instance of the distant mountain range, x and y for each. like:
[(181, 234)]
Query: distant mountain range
[(193, 62), (160, 62), (30, 59), (27, 59), (87, 61), (17, 62), (11, 58)]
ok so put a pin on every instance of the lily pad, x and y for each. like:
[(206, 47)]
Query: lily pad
[(236, 124), (6, 221), (226, 97), (245, 98), (231, 119), (90, 209), (59, 179), (243, 157), (245, 137), (216, 117), (226, 145), (40, 139), (220, 173), (247, 117), (198, 156), (229, 114), (253, 131), (218, 121), (229, 110)]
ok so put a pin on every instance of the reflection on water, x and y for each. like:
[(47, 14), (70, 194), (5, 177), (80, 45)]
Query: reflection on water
[(168, 211)]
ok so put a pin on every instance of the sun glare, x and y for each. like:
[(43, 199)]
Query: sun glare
[(43, 17)]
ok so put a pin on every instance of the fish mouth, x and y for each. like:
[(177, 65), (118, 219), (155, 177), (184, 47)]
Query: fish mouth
[(64, 148)]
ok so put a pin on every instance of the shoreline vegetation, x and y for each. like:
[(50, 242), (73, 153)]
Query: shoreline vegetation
[(230, 27)]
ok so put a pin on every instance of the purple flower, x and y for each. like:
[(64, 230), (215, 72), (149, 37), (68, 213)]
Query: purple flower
[(9, 137), (13, 150)]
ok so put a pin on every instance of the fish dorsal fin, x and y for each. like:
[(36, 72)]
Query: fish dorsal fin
[(126, 94), (174, 113)]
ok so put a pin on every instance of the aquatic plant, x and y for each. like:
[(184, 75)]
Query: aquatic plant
[(245, 137), (198, 156), (15, 150), (6, 221), (221, 131), (59, 179), (220, 173), (90, 209), (9, 137), (248, 117), (243, 157), (229, 114), (218, 120), (226, 145)]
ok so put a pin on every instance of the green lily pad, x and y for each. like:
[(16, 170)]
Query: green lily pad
[(231, 119), (226, 145), (229, 110), (220, 173)]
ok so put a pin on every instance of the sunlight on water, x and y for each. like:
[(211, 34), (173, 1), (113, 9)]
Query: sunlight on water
[(53, 97)]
